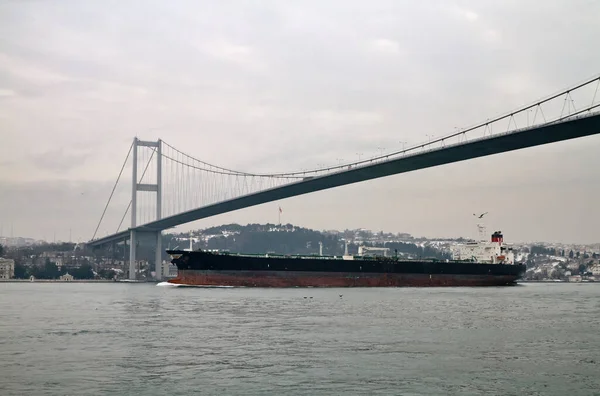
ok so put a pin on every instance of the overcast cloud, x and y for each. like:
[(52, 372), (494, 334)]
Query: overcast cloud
[(282, 85)]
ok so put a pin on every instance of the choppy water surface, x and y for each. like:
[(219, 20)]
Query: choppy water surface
[(94, 339)]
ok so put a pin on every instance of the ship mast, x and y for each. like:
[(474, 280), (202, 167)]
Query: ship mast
[(481, 226), (482, 232)]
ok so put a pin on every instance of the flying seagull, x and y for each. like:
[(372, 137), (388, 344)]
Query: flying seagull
[(480, 216)]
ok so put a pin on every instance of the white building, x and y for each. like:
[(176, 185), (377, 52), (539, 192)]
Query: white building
[(169, 270), (574, 266), (7, 268), (595, 269), (66, 277), (59, 261)]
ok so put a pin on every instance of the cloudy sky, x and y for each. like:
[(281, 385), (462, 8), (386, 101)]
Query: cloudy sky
[(284, 85)]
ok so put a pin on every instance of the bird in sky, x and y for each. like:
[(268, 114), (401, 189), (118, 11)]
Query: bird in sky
[(480, 216)]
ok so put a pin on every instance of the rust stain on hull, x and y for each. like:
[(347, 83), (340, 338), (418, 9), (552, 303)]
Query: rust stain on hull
[(330, 279)]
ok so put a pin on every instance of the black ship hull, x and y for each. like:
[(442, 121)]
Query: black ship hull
[(218, 269)]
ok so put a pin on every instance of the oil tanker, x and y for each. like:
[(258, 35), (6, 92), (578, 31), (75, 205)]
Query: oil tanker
[(483, 263)]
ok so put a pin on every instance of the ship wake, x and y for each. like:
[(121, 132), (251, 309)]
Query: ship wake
[(169, 284)]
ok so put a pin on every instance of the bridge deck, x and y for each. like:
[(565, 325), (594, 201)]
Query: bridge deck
[(549, 133)]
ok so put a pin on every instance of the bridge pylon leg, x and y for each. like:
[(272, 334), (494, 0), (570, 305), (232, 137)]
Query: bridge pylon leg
[(132, 246), (158, 257)]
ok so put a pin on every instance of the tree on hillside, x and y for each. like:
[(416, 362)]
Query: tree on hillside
[(106, 274), (20, 270), (1, 250), (50, 270), (83, 272), (538, 249), (530, 263)]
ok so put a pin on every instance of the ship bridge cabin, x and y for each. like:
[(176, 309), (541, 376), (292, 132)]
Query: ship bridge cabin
[(494, 251), (373, 251)]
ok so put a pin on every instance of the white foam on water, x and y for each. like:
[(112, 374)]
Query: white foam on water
[(184, 285), (167, 284)]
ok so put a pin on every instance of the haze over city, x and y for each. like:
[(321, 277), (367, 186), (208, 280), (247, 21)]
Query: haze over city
[(279, 87)]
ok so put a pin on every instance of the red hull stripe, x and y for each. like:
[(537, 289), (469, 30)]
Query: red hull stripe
[(331, 279)]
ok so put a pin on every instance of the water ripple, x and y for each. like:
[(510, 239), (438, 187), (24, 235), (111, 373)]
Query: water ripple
[(96, 339)]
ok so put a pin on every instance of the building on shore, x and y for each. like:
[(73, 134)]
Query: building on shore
[(169, 270), (66, 277), (7, 268)]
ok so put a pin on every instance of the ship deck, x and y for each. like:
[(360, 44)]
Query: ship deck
[(397, 259)]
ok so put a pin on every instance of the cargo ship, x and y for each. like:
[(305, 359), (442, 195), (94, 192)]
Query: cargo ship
[(483, 263)]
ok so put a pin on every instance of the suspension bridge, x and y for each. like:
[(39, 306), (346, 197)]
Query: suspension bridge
[(170, 187)]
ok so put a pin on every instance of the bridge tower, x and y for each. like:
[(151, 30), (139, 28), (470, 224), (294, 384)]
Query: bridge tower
[(157, 188)]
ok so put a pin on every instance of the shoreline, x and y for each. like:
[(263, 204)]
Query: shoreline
[(74, 281), (125, 281), (554, 281)]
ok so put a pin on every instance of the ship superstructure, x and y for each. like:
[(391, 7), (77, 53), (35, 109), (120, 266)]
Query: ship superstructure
[(494, 251)]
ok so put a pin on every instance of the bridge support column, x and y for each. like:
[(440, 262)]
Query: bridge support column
[(132, 246), (158, 257), (132, 241)]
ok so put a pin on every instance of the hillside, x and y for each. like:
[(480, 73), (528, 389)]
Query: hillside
[(290, 239)]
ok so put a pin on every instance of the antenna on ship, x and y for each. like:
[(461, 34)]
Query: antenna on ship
[(482, 232), (481, 227)]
